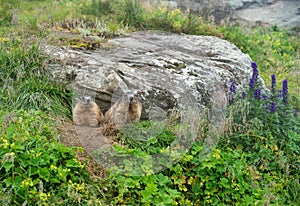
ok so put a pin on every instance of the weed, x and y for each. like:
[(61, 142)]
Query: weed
[(34, 164), (25, 79)]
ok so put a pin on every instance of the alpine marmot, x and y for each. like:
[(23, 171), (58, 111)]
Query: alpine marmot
[(87, 113), (126, 109)]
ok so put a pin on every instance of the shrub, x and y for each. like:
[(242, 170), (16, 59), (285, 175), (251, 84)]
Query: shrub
[(275, 50), (35, 168), (266, 126)]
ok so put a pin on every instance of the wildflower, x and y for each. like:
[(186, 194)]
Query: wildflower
[(53, 167), (255, 71), (257, 94), (273, 82), (254, 75), (285, 90), (3, 39), (264, 97), (279, 94), (273, 107), (232, 87), (254, 65), (252, 82), (177, 25), (243, 95)]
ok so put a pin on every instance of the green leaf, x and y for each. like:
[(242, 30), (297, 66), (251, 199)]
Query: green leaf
[(44, 173), (146, 195), (8, 181), (162, 180), (54, 180), (7, 165), (152, 187), (173, 193), (224, 182)]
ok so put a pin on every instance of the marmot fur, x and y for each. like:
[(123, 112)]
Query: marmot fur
[(87, 113), (127, 108)]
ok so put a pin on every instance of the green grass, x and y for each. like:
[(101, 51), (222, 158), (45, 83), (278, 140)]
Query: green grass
[(256, 160), (25, 79)]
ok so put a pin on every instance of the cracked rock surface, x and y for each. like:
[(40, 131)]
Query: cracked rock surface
[(171, 70)]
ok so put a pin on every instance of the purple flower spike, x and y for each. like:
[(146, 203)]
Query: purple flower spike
[(273, 107), (254, 75), (285, 90), (252, 82), (243, 95), (232, 87), (257, 94), (254, 65), (273, 82)]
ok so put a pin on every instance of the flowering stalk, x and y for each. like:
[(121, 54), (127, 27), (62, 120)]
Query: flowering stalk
[(257, 94), (232, 89), (273, 82), (285, 91), (273, 107), (254, 75)]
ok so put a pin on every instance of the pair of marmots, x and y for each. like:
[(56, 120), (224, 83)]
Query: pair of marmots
[(126, 109)]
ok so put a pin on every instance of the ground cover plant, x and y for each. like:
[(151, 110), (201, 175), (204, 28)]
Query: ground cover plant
[(35, 168), (256, 161)]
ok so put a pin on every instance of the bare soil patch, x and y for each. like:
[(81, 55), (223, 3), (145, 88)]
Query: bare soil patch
[(89, 138)]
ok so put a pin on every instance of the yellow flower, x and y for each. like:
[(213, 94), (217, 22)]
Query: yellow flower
[(53, 167), (163, 8), (174, 13), (26, 183), (4, 39), (216, 154), (43, 197), (177, 25), (5, 144)]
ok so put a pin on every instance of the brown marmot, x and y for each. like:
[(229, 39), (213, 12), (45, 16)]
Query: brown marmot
[(87, 113), (128, 108)]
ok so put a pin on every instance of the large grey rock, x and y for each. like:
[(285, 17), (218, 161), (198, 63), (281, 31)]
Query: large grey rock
[(172, 70)]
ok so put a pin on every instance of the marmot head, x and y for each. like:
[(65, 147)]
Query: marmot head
[(86, 100), (131, 96)]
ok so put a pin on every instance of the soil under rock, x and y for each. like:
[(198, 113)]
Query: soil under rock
[(91, 139)]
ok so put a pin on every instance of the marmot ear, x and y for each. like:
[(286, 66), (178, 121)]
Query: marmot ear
[(139, 92)]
